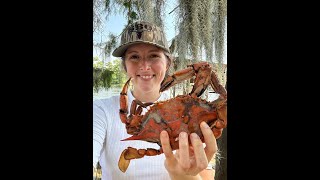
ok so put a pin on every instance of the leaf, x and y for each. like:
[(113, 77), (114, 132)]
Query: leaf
[(133, 15), (126, 4)]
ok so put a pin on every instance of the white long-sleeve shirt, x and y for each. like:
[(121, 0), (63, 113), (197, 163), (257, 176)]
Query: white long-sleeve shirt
[(108, 130)]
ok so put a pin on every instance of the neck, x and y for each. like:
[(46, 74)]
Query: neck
[(146, 96)]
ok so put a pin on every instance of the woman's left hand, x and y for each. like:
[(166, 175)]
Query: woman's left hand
[(189, 161)]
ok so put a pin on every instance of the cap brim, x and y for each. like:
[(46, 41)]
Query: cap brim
[(118, 52)]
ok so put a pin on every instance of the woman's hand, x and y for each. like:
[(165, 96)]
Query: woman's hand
[(189, 161)]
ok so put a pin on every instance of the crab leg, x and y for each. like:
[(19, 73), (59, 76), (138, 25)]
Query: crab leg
[(221, 121), (202, 72), (124, 103), (177, 77), (133, 121), (132, 153), (221, 106), (217, 132), (217, 87), (138, 110), (202, 79), (130, 120)]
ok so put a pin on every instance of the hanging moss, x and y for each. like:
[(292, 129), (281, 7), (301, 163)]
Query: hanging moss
[(110, 45), (220, 17), (201, 32)]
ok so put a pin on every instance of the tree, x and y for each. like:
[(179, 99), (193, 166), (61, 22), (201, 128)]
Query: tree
[(101, 76), (119, 76)]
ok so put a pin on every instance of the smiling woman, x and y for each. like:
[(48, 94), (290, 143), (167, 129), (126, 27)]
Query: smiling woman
[(146, 65), (146, 59)]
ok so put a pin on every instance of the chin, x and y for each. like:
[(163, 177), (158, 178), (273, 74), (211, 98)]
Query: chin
[(146, 89)]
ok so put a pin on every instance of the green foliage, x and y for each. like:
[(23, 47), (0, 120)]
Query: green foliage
[(101, 78), (97, 63), (133, 15), (106, 76), (119, 76)]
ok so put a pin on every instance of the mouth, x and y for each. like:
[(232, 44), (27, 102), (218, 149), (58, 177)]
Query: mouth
[(146, 77)]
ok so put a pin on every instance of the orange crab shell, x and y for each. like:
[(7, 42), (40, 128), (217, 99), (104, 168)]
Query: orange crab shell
[(180, 114)]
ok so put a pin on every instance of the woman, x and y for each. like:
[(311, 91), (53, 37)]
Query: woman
[(146, 59)]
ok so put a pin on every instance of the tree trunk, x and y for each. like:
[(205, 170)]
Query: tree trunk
[(221, 165)]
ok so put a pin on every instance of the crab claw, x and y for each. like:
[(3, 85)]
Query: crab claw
[(132, 153), (123, 163), (176, 78), (217, 87)]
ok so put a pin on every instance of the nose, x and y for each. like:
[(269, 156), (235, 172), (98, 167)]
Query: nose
[(144, 65)]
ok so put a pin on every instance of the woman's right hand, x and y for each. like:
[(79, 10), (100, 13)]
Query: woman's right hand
[(192, 158)]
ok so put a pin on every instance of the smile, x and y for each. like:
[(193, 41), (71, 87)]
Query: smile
[(146, 77)]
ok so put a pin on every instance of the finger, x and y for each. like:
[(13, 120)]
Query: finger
[(210, 140), (199, 153), (184, 159), (176, 154), (164, 138)]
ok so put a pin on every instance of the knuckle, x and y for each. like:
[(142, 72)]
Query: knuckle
[(208, 135), (185, 167), (183, 145), (193, 173), (165, 142), (210, 151), (202, 165), (167, 155), (199, 145)]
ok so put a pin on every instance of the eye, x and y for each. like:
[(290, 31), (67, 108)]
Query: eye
[(154, 56), (134, 57)]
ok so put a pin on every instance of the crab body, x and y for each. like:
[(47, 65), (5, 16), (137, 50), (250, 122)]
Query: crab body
[(180, 114)]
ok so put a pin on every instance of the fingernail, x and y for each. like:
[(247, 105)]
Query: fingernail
[(204, 125), (183, 135), (163, 134), (194, 136)]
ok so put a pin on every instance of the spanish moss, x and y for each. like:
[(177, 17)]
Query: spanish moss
[(220, 16)]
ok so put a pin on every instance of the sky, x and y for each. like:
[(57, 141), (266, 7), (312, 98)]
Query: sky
[(116, 23)]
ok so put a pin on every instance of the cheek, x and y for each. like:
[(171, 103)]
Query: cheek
[(130, 69), (160, 67)]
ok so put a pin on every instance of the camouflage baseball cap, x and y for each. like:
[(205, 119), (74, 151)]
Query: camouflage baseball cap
[(141, 32)]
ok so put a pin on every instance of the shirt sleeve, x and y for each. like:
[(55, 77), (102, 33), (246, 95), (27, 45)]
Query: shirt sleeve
[(99, 130)]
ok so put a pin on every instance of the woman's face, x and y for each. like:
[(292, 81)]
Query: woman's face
[(146, 64)]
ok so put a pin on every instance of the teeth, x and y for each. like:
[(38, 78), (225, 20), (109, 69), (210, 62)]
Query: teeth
[(146, 77)]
